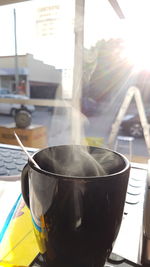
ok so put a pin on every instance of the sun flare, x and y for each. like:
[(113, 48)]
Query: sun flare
[(137, 53), (137, 38)]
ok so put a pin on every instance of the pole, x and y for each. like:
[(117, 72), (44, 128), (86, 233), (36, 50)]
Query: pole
[(16, 55), (78, 71)]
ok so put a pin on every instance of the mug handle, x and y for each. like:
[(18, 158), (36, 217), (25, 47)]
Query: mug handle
[(25, 184)]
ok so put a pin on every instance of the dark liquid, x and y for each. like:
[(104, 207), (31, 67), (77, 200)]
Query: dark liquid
[(77, 162), (82, 225)]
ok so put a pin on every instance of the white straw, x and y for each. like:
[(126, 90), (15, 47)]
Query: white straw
[(24, 149)]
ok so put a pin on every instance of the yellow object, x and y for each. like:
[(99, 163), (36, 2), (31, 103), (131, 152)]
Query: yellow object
[(18, 246), (93, 141)]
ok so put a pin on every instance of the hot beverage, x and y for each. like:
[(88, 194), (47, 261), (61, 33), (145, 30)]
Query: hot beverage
[(76, 202)]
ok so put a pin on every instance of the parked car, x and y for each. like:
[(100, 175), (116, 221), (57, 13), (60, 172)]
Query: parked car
[(131, 124), (4, 91), (12, 108)]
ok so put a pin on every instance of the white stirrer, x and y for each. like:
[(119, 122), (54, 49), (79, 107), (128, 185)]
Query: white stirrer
[(24, 149)]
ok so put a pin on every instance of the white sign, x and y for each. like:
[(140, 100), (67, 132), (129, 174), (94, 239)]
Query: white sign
[(47, 19)]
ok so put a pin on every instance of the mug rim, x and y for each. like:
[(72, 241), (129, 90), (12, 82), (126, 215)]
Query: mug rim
[(71, 177)]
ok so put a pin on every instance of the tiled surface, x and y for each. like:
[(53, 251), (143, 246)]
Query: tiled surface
[(12, 160)]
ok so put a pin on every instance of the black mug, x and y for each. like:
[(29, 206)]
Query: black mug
[(76, 200)]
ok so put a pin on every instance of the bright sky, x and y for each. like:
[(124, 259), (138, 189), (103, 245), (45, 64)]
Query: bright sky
[(100, 22)]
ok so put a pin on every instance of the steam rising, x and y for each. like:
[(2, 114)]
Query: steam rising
[(74, 159), (77, 161)]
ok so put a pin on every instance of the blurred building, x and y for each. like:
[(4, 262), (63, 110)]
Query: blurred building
[(36, 79)]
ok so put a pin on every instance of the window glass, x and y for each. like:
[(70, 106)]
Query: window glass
[(75, 61)]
